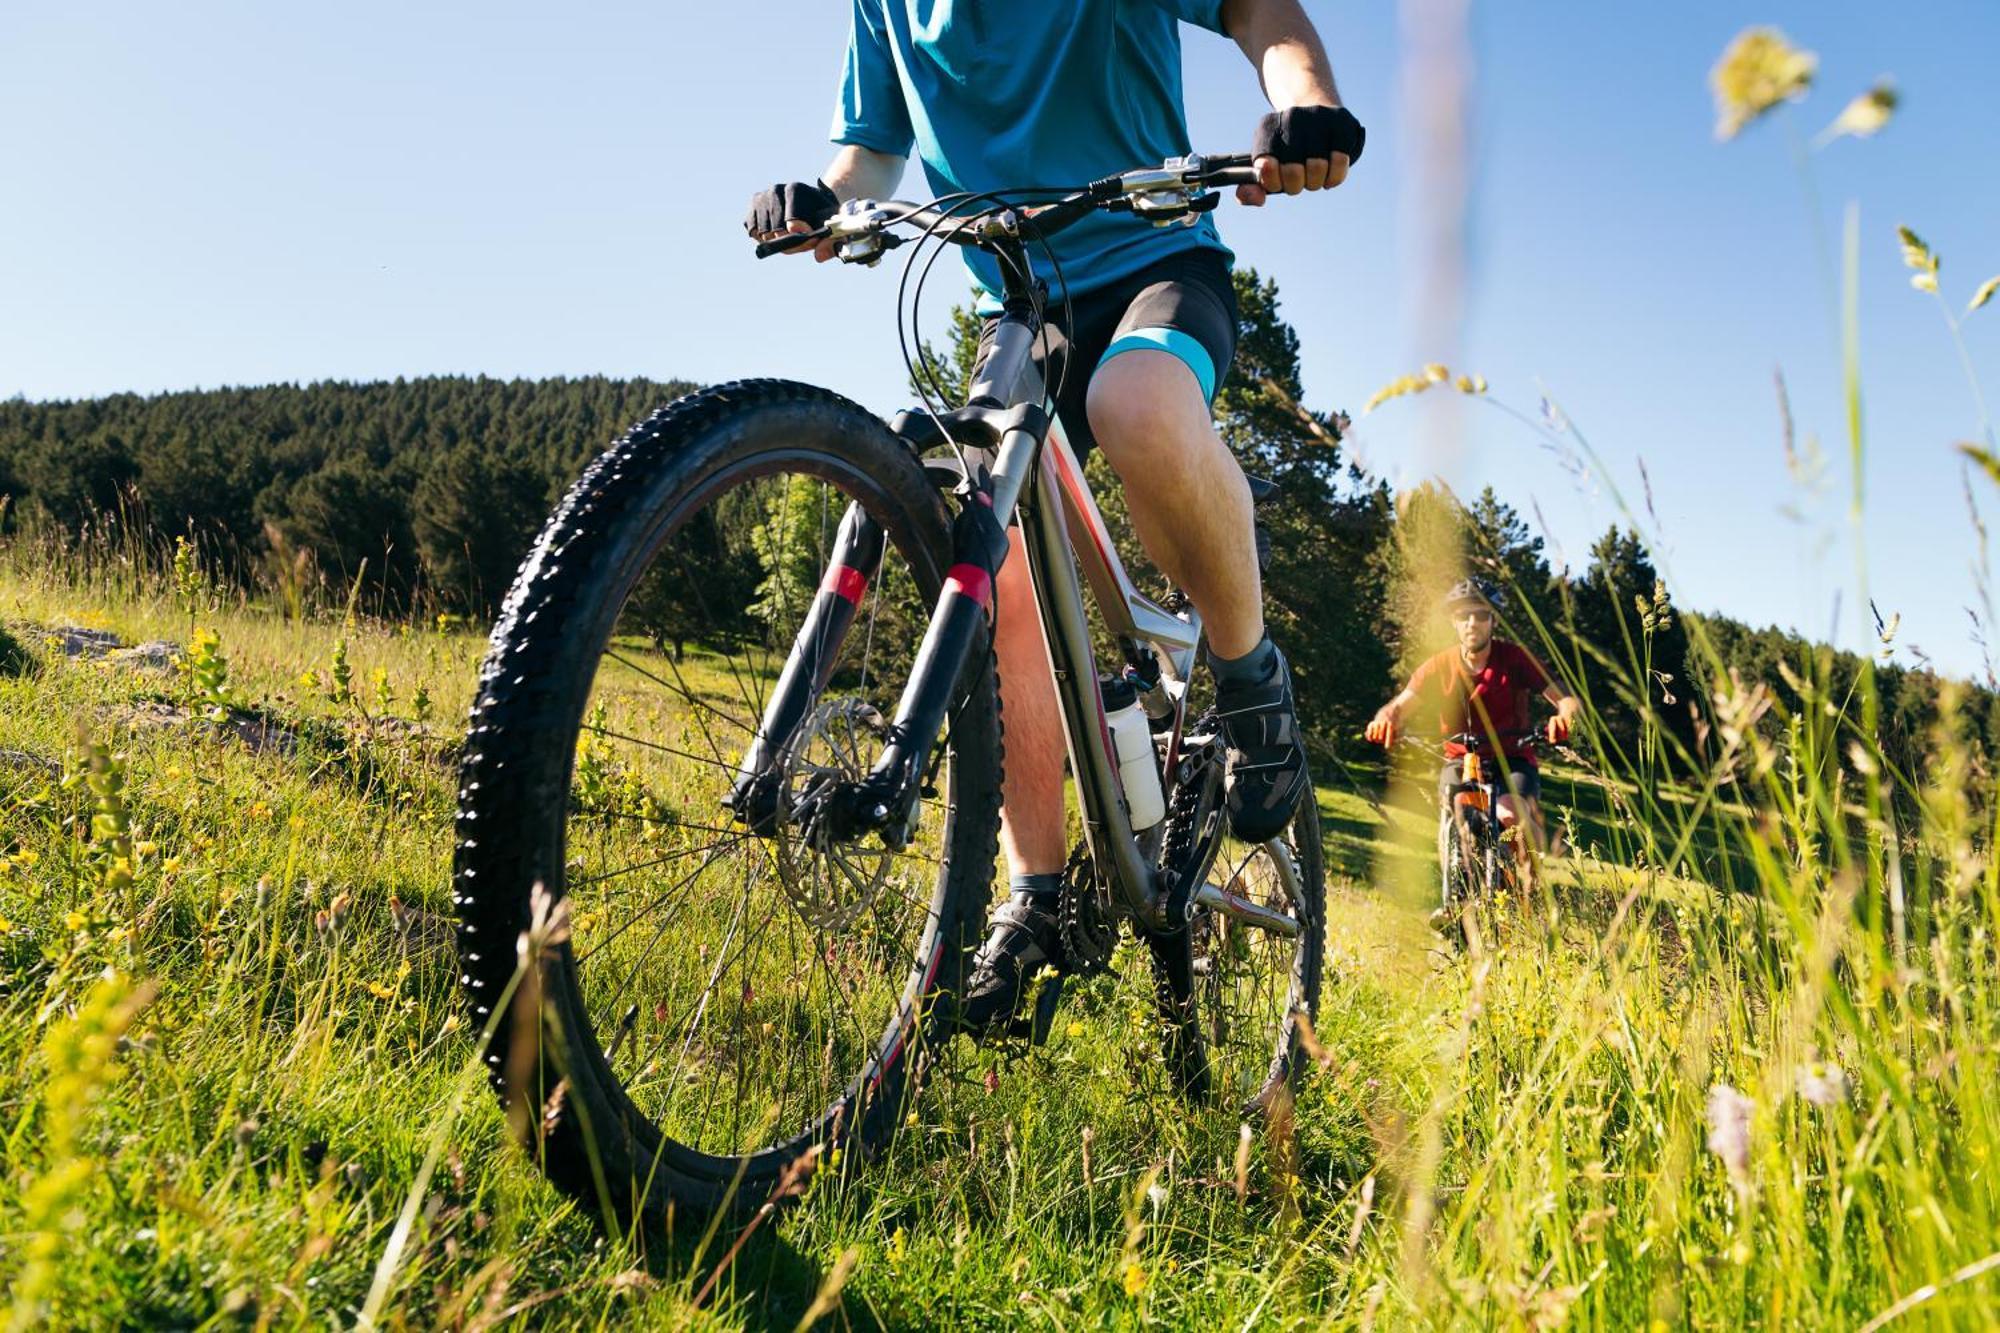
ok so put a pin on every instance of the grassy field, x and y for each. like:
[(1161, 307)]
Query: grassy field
[(233, 1055)]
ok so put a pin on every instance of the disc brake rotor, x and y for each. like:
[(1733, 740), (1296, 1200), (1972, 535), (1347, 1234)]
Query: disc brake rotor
[(830, 886)]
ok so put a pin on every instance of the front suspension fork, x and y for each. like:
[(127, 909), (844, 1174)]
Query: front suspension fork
[(886, 799), (755, 796)]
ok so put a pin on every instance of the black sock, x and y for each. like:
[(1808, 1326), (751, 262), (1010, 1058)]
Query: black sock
[(1253, 668), (1043, 886)]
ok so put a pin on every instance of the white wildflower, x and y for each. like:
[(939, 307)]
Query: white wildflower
[(1729, 1128), (1824, 1084)]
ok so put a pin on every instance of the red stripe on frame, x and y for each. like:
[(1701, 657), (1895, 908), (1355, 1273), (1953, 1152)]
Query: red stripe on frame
[(845, 581), (970, 581)]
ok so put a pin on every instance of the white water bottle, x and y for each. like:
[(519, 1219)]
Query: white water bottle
[(1132, 740)]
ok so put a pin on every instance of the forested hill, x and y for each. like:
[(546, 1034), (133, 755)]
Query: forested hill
[(438, 483)]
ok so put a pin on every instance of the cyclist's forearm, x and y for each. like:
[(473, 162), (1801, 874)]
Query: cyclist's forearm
[(863, 173), (1284, 48)]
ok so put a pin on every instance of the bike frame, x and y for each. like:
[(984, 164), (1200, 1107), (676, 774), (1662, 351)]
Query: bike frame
[(1062, 532), (1013, 463)]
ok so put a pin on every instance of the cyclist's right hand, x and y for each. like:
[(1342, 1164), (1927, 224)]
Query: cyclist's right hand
[(793, 207), (1382, 729)]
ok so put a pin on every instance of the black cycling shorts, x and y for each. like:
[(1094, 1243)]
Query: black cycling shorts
[(1184, 305), (1522, 779)]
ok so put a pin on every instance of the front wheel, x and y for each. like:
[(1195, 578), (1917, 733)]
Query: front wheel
[(734, 999)]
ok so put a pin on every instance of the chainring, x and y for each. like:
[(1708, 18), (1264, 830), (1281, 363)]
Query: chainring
[(1194, 819), (1089, 924)]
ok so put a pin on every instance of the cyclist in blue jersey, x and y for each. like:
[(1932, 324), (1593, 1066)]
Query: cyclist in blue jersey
[(1057, 92)]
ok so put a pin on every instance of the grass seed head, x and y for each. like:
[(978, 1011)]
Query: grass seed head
[(1757, 72)]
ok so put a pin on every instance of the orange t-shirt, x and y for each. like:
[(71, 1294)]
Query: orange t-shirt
[(1493, 702)]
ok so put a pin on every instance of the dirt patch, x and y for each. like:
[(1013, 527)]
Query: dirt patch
[(153, 655), (258, 732), (28, 762)]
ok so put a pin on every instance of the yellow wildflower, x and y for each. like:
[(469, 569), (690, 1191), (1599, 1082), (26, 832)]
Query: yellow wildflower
[(1135, 1278), (381, 992), (1758, 70), (1470, 384), (1435, 373)]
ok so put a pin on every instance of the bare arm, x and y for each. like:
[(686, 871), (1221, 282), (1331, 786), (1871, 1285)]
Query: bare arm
[(1284, 48), (862, 173), (1388, 718)]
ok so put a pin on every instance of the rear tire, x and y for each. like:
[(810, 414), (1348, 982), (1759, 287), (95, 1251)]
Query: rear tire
[(1233, 998), (607, 1126)]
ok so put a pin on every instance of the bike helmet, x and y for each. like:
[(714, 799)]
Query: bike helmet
[(1475, 592)]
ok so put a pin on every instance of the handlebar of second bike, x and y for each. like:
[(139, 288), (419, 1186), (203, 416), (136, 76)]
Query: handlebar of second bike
[(1170, 190), (1476, 742)]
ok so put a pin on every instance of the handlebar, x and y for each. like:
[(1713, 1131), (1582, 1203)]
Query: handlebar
[(765, 249), (1175, 191), (1476, 742)]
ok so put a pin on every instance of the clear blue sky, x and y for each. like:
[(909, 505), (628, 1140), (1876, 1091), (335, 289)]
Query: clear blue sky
[(239, 193)]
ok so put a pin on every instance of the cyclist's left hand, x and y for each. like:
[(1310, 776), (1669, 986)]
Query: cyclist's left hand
[(1558, 729), (1303, 148)]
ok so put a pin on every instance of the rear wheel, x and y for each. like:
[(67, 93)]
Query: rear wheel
[(1236, 984), (727, 1002)]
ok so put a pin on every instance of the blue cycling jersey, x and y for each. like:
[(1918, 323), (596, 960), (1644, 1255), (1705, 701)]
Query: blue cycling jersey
[(1030, 93)]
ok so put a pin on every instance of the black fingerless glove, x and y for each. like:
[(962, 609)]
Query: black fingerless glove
[(1302, 132), (772, 209)]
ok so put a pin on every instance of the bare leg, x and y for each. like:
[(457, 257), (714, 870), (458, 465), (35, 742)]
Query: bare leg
[(1528, 834), (1031, 789), (1190, 504)]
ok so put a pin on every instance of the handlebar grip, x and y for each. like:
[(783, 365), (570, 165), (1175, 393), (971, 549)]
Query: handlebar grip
[(765, 249), (1234, 175), (1227, 169)]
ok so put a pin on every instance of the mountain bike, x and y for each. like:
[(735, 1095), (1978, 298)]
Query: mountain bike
[(1478, 862), (739, 721)]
